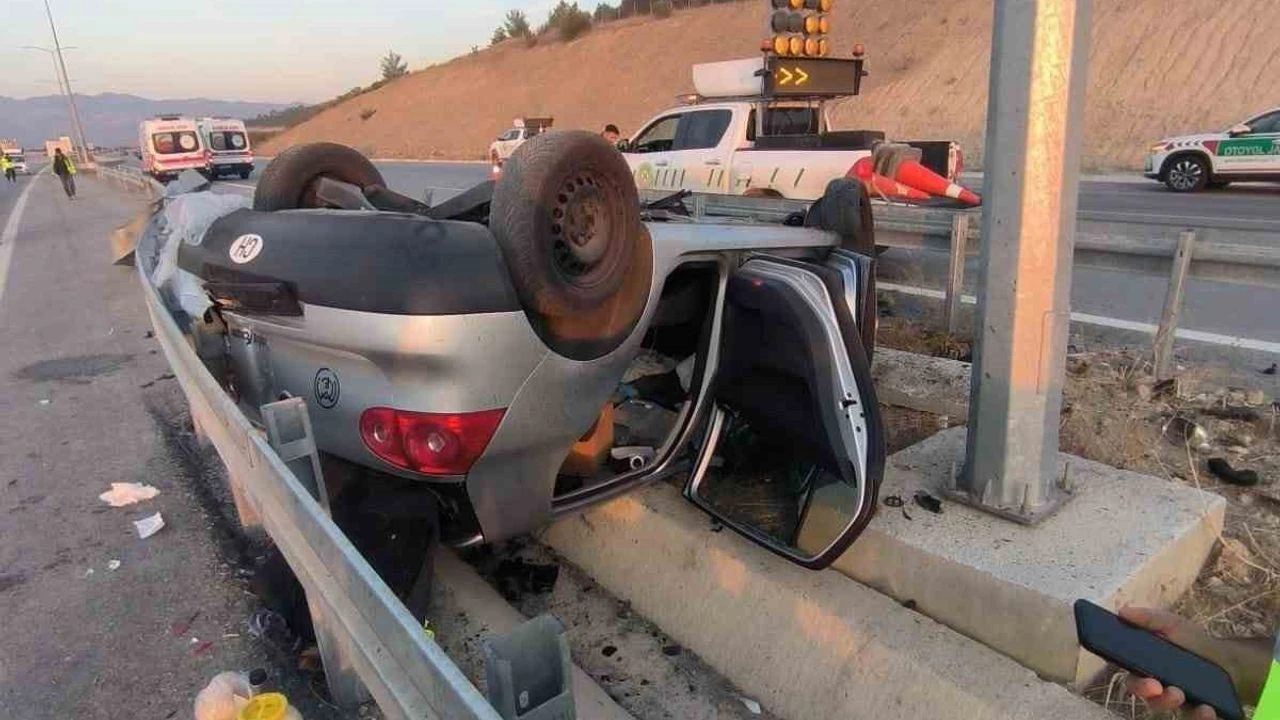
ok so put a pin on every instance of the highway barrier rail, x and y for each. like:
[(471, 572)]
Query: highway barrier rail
[(1225, 250)]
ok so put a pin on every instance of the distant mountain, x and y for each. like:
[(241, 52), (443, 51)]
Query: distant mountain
[(109, 119)]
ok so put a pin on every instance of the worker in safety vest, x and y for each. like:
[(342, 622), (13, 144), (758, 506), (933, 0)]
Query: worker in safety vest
[(6, 166), (65, 169), (1252, 663)]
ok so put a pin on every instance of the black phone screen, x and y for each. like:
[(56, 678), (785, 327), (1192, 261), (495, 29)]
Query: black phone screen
[(1150, 655)]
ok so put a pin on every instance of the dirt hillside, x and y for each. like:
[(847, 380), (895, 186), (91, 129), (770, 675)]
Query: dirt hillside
[(1157, 68)]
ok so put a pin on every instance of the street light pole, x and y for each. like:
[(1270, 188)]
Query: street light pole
[(57, 74), (71, 97), (1038, 74)]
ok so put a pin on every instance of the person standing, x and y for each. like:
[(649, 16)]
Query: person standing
[(10, 173), (65, 169), (610, 134)]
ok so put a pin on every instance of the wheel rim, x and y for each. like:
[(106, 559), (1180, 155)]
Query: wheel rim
[(1185, 174), (581, 228)]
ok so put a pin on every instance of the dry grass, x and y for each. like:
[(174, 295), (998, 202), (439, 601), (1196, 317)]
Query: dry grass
[(1156, 68)]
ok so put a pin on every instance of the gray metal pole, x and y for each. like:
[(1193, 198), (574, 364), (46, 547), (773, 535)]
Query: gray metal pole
[(1035, 110), (71, 96)]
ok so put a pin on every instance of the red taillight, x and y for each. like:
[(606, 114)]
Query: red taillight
[(429, 443)]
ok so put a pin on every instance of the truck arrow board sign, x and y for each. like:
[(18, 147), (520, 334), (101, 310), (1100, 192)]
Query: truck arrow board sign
[(812, 77)]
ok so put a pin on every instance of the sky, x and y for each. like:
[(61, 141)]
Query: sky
[(260, 50)]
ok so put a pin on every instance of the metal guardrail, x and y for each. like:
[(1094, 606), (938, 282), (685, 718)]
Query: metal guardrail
[(129, 178), (365, 633), (1103, 240)]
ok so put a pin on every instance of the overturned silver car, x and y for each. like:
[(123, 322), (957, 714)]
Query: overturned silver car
[(546, 342)]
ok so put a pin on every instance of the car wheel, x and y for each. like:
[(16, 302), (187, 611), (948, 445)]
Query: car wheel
[(845, 209), (244, 174), (288, 182), (567, 216), (1187, 173)]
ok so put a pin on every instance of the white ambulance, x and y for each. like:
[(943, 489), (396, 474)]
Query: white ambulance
[(171, 144), (228, 142)]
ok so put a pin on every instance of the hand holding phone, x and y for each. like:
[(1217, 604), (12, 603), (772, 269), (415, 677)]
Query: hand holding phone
[(1145, 653)]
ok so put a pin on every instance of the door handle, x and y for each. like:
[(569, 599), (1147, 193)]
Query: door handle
[(712, 162), (660, 163)]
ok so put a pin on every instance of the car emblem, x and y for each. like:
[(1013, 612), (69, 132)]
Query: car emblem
[(245, 248), (327, 389)]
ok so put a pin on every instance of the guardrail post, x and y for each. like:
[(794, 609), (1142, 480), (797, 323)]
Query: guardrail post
[(1173, 305), (955, 273), (1039, 56)]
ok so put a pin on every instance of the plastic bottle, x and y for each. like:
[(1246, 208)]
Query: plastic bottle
[(223, 697), (269, 706)]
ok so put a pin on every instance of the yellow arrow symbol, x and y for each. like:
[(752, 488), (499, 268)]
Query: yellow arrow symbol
[(802, 76), (786, 76)]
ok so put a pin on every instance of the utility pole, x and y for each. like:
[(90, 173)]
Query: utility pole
[(76, 127)]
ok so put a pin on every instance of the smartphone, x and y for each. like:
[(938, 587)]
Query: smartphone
[(1144, 653)]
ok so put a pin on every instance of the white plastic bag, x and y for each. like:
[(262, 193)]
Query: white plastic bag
[(223, 697)]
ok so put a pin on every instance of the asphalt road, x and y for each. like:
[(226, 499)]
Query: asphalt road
[(99, 623), (1128, 198)]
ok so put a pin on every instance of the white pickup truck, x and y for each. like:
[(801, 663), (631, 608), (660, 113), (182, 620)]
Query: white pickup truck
[(522, 129), (733, 140)]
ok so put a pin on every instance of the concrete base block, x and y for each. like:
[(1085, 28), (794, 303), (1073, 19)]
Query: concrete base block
[(1122, 538), (921, 382), (805, 644)]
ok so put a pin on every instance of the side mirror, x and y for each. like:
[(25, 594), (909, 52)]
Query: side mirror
[(1240, 129)]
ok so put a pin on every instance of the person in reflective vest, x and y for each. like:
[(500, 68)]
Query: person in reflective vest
[(65, 169), (1252, 663)]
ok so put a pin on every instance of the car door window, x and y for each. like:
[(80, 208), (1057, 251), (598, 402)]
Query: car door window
[(702, 130), (1268, 123), (509, 135), (658, 137)]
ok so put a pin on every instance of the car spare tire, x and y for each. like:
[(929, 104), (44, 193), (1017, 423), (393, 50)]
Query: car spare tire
[(288, 182), (566, 214)]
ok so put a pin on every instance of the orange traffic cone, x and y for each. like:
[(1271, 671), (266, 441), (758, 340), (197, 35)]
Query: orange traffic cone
[(920, 177), (864, 170)]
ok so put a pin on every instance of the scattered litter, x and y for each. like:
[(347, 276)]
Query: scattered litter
[(516, 577), (45, 401), (1271, 370), (181, 628), (1223, 470), (148, 335), (1255, 397), (716, 527), (648, 362), (894, 501), (752, 705), (88, 572), (113, 565), (1179, 430), (270, 626), (672, 650), (149, 526), (929, 502), (609, 650), (124, 494), (223, 698), (228, 636), (203, 648), (1231, 412), (905, 514)]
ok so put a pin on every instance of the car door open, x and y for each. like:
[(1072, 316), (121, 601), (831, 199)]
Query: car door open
[(793, 451)]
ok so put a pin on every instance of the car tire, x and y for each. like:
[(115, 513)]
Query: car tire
[(244, 174), (566, 214), (1186, 173), (287, 183), (845, 209)]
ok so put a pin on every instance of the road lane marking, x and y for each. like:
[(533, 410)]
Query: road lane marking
[(11, 230), (1115, 323)]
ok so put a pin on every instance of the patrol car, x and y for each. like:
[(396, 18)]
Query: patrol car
[(1247, 151)]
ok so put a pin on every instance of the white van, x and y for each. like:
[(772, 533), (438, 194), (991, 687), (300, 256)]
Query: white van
[(228, 141), (171, 144)]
